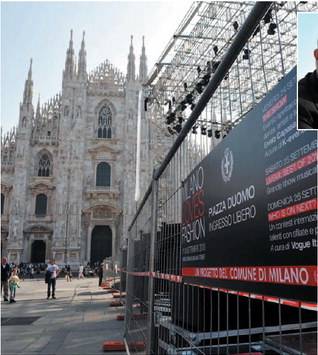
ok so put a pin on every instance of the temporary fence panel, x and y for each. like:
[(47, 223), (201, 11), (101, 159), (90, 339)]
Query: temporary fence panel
[(204, 274)]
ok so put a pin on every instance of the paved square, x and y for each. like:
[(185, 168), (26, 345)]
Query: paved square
[(77, 322)]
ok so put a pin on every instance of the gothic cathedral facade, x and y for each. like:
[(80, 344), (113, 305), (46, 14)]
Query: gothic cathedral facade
[(68, 169)]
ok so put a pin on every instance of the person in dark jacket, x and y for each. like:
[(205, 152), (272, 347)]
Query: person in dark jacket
[(308, 99), (5, 275), (100, 274)]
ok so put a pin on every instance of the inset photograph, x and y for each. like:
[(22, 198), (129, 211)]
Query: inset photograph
[(307, 68)]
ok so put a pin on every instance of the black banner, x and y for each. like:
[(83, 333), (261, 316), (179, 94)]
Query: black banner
[(249, 210)]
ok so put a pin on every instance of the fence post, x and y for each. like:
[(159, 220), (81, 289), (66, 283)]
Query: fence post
[(153, 234), (129, 283)]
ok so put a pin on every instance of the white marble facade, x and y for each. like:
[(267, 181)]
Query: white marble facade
[(54, 153)]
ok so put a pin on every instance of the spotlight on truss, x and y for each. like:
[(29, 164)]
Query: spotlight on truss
[(246, 54), (199, 88), (171, 118), (178, 128), (171, 131), (183, 105), (271, 29), (189, 98)]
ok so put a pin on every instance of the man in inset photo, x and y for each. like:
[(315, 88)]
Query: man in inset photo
[(307, 26), (308, 99)]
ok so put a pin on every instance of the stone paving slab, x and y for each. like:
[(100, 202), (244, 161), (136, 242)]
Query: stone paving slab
[(74, 323)]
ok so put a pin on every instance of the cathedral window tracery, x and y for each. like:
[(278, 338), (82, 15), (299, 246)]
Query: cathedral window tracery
[(104, 123), (44, 165), (103, 174), (40, 205)]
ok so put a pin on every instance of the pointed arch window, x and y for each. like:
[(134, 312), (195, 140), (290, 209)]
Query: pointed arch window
[(44, 165), (105, 122), (103, 174), (24, 122), (40, 205), (2, 203)]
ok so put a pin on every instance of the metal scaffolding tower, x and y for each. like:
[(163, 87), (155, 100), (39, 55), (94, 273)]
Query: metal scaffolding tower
[(196, 49)]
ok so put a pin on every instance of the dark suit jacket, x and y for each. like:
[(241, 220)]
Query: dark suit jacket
[(5, 272), (308, 101)]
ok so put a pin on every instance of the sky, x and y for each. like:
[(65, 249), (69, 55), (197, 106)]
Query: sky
[(41, 31), (307, 42)]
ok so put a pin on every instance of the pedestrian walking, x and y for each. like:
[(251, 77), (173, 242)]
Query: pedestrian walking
[(68, 273), (14, 282), (31, 271), (5, 274), (52, 273), (80, 272), (100, 273)]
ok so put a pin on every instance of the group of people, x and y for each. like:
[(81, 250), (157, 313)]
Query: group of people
[(10, 279)]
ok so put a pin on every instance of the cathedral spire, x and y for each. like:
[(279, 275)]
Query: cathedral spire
[(131, 62), (143, 63), (82, 74), (28, 87), (38, 114), (69, 62)]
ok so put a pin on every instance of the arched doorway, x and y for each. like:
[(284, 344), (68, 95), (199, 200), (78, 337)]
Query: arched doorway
[(38, 251), (101, 243)]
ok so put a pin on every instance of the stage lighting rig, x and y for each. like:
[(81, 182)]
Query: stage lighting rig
[(235, 26), (146, 103), (199, 88), (171, 131), (246, 54), (182, 106), (189, 98), (271, 29), (171, 118), (178, 128), (208, 67)]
